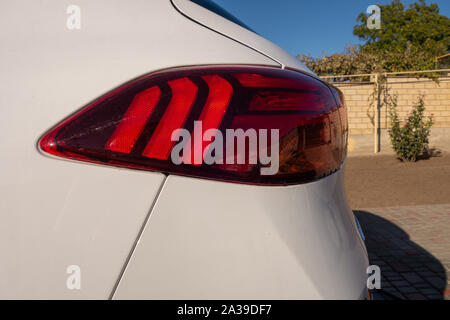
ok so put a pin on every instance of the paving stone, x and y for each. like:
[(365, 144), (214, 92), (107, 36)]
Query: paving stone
[(377, 296), (415, 296), (412, 277), (400, 267), (394, 293), (406, 290), (412, 245), (436, 282), (427, 274), (428, 291), (422, 285), (401, 283)]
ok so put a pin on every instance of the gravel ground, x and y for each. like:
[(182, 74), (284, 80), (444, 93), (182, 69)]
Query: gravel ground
[(383, 181)]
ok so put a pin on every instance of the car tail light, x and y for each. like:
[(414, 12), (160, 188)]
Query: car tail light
[(290, 117)]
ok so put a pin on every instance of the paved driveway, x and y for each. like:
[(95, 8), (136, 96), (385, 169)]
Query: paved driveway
[(411, 244)]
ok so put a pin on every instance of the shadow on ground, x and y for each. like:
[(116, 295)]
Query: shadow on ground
[(408, 271)]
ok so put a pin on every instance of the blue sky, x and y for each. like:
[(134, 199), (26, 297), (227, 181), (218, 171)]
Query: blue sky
[(307, 26)]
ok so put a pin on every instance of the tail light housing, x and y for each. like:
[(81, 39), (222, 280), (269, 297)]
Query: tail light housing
[(135, 125)]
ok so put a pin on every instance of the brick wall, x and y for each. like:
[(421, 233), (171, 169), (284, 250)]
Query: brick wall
[(437, 101)]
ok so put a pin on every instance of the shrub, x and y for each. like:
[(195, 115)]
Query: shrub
[(410, 139)]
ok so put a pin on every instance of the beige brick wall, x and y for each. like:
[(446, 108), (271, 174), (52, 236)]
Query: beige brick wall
[(437, 101)]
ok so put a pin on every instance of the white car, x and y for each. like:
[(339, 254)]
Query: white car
[(162, 150)]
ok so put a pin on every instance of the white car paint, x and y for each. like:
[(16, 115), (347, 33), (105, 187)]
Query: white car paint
[(239, 33), (55, 213), (215, 240)]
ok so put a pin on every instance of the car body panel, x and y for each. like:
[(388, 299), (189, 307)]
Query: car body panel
[(216, 240), (202, 238), (239, 33), (54, 212)]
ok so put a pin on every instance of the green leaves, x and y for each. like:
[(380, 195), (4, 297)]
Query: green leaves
[(408, 40), (352, 61), (417, 34), (410, 138)]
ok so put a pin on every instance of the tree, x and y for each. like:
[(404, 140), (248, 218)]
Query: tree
[(408, 40), (351, 61)]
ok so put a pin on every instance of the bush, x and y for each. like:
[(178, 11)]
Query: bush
[(410, 139)]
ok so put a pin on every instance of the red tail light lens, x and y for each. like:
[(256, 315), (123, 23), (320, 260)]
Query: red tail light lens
[(255, 125)]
